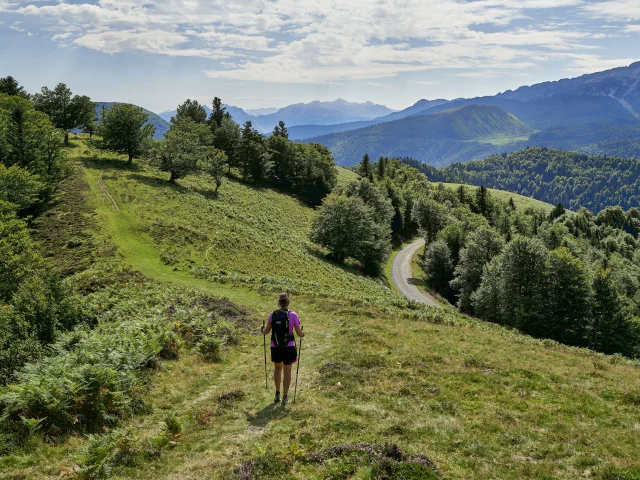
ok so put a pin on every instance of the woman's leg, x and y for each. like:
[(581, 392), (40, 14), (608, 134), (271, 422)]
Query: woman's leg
[(277, 376), (287, 379)]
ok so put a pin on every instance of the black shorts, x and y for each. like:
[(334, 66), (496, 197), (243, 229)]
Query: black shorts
[(286, 355)]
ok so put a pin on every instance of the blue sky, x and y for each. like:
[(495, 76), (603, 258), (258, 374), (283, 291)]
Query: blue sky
[(265, 53)]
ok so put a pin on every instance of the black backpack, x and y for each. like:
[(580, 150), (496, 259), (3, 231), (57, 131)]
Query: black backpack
[(280, 335)]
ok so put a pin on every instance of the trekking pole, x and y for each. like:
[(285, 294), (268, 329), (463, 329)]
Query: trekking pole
[(264, 341), (295, 390)]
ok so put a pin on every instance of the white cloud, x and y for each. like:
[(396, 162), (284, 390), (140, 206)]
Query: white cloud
[(156, 42), (585, 63), (615, 9), (16, 26), (632, 28), (61, 36), (311, 41)]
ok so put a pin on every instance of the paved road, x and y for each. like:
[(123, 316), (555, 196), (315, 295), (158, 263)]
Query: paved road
[(402, 277)]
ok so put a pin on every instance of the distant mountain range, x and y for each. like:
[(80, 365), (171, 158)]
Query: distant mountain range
[(313, 113), (256, 112), (597, 113)]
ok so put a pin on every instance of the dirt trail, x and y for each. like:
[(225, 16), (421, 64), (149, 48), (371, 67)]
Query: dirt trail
[(104, 188)]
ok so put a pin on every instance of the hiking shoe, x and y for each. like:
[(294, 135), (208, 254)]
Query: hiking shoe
[(277, 397), (285, 400)]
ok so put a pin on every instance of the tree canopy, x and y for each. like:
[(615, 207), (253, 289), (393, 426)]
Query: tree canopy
[(124, 130)]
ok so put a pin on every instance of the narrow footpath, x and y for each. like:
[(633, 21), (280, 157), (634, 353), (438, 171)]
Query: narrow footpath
[(402, 276)]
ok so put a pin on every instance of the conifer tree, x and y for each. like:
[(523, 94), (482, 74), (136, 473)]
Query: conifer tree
[(280, 130), (192, 110), (523, 284), (366, 171), (610, 330), (218, 113), (10, 86), (483, 202), (252, 157), (568, 298), (227, 138)]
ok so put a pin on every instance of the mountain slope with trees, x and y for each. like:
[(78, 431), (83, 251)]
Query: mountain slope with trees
[(554, 176), (596, 114), (453, 135)]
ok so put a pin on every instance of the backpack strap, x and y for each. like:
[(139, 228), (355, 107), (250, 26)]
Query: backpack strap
[(291, 337)]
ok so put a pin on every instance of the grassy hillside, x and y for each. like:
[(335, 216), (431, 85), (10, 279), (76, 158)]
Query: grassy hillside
[(479, 401), (453, 135), (521, 202)]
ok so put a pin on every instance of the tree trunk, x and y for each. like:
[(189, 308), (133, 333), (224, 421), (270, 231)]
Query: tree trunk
[(130, 158), (172, 178), (66, 138)]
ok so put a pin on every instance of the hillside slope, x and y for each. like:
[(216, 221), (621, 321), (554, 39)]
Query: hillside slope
[(480, 402), (619, 84), (299, 132), (453, 135), (554, 176)]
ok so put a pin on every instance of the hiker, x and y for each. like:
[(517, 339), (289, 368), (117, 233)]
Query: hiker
[(281, 323)]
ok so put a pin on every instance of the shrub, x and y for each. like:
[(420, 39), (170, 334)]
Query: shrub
[(104, 453), (209, 349)]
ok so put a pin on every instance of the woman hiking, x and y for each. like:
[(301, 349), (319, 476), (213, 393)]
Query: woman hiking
[(282, 323)]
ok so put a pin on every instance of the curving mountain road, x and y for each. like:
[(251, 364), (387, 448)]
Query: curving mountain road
[(403, 278)]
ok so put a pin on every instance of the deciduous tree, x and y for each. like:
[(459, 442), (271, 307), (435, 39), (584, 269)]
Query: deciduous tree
[(482, 246), (568, 298), (65, 111), (182, 149), (347, 228), (124, 130), (431, 216), (438, 267)]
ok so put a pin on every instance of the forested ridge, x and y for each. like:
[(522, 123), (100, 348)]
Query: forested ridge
[(553, 176)]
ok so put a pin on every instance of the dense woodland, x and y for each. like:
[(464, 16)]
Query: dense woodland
[(553, 176)]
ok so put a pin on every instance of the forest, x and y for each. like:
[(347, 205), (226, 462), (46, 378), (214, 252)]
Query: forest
[(554, 176)]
